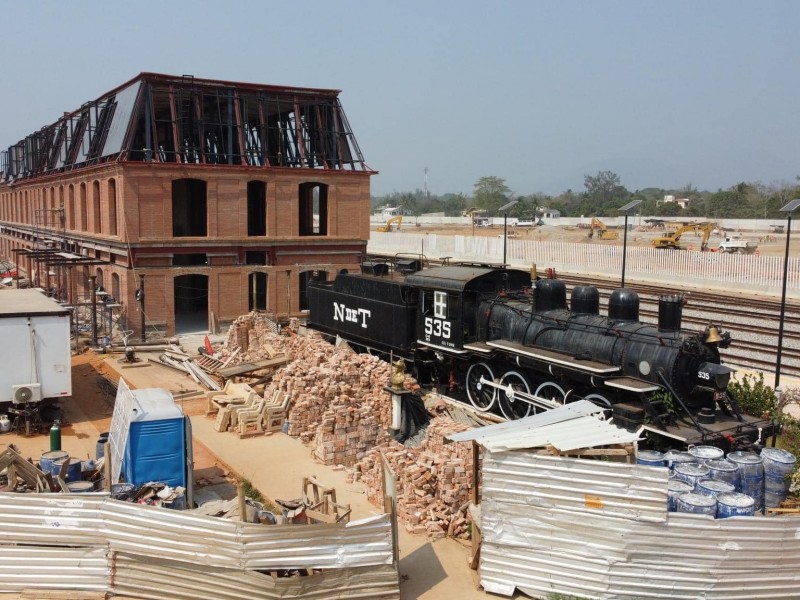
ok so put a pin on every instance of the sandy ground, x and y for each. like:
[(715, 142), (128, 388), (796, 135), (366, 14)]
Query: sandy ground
[(768, 245)]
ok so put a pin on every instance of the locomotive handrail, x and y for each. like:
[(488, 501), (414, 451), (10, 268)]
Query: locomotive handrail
[(524, 396), (675, 395)]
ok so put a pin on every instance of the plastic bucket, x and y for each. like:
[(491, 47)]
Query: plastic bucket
[(778, 464), (724, 470), (735, 505), (714, 487), (122, 491), (697, 503), (80, 487), (674, 457), (703, 453), (691, 473), (751, 475), (674, 489), (99, 449), (650, 458), (73, 470), (48, 458)]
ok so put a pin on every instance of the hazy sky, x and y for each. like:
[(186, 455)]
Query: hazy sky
[(538, 93)]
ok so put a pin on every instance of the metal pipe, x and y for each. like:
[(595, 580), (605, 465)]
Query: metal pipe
[(783, 304), (624, 249), (93, 294), (140, 298)]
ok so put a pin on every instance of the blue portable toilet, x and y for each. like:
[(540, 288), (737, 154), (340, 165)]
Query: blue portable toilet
[(157, 448)]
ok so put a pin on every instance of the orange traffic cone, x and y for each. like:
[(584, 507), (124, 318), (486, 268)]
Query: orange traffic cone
[(207, 344)]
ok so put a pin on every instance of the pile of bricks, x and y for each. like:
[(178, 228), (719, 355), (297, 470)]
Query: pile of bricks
[(433, 481)]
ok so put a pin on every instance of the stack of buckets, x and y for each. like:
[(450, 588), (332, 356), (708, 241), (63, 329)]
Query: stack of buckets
[(703, 481)]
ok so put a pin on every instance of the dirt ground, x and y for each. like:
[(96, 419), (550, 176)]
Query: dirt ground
[(768, 245)]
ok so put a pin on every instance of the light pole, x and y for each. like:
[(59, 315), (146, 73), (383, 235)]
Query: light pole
[(505, 208), (788, 209), (626, 209)]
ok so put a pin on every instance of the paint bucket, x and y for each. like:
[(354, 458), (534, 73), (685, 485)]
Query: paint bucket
[(735, 505), (122, 491), (675, 488), (691, 473), (703, 453), (714, 487), (99, 448), (73, 470), (48, 458), (674, 457), (697, 504), (724, 470), (80, 487), (751, 475), (650, 458), (778, 464)]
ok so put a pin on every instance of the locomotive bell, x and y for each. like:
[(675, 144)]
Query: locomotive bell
[(712, 335)]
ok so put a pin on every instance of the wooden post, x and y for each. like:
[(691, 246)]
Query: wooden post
[(107, 467), (240, 497)]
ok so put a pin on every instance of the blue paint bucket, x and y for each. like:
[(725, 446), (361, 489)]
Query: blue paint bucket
[(691, 473), (674, 489), (48, 458), (778, 465), (703, 453), (714, 487), (735, 505), (724, 470), (80, 487), (73, 470), (650, 458), (99, 448), (674, 457), (697, 504), (751, 475)]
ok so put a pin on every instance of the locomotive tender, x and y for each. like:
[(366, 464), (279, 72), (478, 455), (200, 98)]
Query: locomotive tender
[(505, 340)]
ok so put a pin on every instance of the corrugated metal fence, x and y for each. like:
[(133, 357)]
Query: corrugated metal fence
[(596, 529), (763, 273), (90, 542)]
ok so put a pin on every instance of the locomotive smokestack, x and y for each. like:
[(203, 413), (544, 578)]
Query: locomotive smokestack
[(670, 309)]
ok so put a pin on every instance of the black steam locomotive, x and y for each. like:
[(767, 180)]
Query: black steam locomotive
[(505, 340)]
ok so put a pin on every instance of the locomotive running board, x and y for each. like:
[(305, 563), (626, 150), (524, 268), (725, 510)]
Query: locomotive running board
[(632, 385), (589, 366), (444, 348)]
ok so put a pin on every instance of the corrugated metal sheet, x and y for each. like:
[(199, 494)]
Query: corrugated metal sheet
[(595, 529), (567, 427), (68, 536), (152, 578)]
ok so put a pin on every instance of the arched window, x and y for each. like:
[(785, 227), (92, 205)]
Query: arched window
[(112, 207), (189, 216), (83, 209), (98, 223), (313, 206)]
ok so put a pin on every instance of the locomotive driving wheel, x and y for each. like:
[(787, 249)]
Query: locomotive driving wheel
[(550, 390), (511, 406), (481, 396)]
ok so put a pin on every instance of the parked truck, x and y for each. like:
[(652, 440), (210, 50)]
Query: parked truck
[(738, 245), (35, 350)]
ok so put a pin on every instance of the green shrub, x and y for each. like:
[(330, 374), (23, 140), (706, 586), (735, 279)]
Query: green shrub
[(754, 397)]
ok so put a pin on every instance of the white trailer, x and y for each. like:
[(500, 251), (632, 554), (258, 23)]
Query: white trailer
[(35, 350)]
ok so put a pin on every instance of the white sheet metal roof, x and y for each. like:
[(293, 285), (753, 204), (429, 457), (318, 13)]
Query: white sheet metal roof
[(568, 427)]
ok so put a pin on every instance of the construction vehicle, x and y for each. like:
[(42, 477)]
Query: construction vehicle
[(602, 231), (393, 224), (672, 240), (736, 245)]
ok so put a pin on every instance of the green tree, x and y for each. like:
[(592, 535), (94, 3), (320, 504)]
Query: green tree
[(604, 194), (491, 193)]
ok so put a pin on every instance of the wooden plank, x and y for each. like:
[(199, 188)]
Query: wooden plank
[(249, 367)]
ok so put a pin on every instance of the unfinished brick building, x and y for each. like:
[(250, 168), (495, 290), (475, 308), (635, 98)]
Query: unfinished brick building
[(213, 197)]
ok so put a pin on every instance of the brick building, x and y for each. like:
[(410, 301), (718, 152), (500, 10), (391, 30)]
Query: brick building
[(213, 197)]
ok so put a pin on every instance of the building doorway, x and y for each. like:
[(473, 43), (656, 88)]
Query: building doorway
[(191, 303)]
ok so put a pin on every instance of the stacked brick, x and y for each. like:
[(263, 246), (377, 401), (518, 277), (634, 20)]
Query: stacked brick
[(433, 481)]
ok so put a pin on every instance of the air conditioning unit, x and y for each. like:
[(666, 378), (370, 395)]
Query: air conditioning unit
[(26, 392)]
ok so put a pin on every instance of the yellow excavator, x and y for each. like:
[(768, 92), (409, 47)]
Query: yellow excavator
[(393, 224), (602, 231), (672, 240)]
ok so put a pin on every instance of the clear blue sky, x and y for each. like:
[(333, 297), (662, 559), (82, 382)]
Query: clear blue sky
[(538, 93)]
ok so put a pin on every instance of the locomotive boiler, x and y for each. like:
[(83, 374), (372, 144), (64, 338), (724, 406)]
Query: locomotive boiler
[(505, 340)]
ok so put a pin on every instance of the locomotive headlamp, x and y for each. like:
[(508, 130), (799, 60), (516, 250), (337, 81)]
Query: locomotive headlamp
[(715, 375)]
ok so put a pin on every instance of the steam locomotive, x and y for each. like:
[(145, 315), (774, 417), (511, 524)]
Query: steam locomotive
[(505, 340)]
